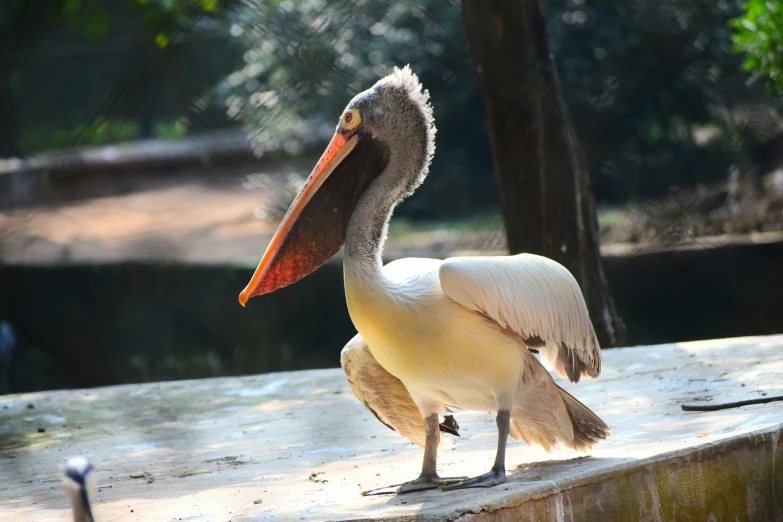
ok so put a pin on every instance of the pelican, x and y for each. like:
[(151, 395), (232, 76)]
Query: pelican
[(79, 483), (433, 335)]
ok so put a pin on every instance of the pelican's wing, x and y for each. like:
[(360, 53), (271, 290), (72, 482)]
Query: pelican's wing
[(384, 394), (535, 298)]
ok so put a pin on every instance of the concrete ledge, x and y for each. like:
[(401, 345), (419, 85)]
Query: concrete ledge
[(733, 479), (298, 446), (100, 170), (201, 149)]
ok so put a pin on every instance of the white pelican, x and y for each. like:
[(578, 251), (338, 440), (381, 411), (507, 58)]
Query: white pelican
[(433, 334), (79, 483)]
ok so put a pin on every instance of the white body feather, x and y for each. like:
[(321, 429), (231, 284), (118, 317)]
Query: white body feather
[(530, 295), (450, 333)]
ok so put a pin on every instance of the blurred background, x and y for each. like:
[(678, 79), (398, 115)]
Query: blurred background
[(148, 149)]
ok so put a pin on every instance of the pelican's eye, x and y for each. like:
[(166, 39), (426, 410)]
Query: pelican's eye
[(351, 119)]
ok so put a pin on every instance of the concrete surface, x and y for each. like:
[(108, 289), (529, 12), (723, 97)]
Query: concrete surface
[(298, 446), (67, 174)]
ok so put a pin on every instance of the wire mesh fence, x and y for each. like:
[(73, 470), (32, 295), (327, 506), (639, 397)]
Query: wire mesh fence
[(679, 145)]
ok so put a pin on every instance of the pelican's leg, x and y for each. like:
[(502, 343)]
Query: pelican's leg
[(428, 479), (497, 475)]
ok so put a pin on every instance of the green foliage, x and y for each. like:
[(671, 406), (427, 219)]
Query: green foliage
[(758, 33), (655, 91), (171, 129), (168, 19), (86, 16), (307, 58), (94, 18), (101, 131), (642, 80), (82, 71)]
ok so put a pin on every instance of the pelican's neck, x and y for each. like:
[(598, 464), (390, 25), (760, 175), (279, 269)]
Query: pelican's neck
[(369, 222), (80, 504)]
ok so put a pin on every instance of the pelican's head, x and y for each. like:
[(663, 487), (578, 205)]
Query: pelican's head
[(390, 121), (396, 112), (79, 481)]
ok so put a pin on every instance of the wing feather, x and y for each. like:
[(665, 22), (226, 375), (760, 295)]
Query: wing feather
[(535, 298), (384, 394)]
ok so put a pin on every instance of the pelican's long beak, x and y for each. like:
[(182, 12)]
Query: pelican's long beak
[(313, 229)]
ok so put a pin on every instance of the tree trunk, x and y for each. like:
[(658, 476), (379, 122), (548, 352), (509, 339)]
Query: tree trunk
[(545, 194)]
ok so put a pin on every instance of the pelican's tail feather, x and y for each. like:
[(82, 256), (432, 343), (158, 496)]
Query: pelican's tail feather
[(589, 430), (546, 415)]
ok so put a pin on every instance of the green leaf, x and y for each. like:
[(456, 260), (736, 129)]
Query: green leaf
[(97, 25), (15, 82), (71, 7), (162, 40), (758, 33)]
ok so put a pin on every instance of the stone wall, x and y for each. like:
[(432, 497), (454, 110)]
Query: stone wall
[(90, 325)]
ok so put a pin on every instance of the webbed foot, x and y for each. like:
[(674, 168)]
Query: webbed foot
[(487, 480), (423, 483)]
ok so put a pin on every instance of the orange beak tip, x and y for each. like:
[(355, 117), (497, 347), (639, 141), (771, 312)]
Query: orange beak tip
[(243, 297)]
